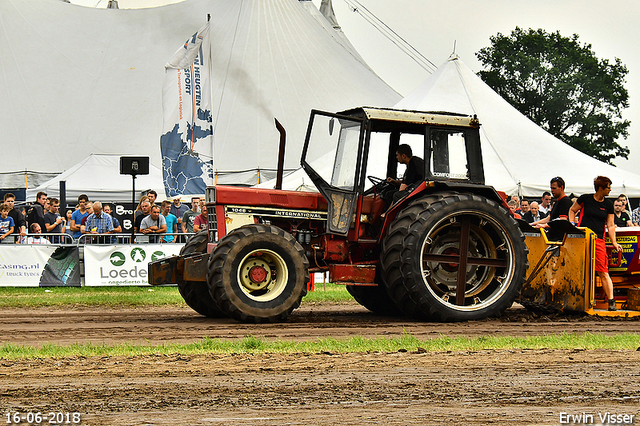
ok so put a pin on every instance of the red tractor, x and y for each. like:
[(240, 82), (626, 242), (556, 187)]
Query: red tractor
[(446, 249)]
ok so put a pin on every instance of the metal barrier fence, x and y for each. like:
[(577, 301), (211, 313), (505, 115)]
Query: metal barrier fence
[(107, 239), (100, 239), (58, 239)]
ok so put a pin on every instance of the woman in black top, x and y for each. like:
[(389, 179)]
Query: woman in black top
[(596, 213)]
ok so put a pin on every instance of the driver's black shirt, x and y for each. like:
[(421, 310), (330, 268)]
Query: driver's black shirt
[(414, 172), (561, 208), (594, 214)]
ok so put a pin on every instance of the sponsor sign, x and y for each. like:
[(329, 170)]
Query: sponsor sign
[(125, 264), (629, 244), (23, 265)]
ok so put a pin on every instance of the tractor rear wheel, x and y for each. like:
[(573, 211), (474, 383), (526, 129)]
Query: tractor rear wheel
[(258, 273), (196, 293), (454, 257)]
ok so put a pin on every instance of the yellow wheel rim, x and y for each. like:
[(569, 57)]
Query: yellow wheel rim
[(263, 275)]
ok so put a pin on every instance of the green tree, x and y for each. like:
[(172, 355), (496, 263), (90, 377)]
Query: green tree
[(562, 86)]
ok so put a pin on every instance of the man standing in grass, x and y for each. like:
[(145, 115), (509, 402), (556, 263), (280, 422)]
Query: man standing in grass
[(145, 207), (178, 210), (99, 223), (171, 219), (154, 223), (117, 228), (152, 197), (36, 211), (202, 220), (78, 215), (189, 217), (53, 221), (17, 216)]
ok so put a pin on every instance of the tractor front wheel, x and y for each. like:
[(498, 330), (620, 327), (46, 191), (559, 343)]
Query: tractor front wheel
[(258, 273)]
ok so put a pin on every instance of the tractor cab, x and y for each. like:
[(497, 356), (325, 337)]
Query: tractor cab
[(350, 154)]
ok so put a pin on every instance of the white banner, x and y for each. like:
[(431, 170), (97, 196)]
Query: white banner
[(120, 265), (23, 265), (186, 143)]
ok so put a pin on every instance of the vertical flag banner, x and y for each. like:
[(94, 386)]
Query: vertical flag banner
[(187, 140)]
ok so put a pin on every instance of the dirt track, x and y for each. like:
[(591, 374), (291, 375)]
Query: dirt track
[(481, 387)]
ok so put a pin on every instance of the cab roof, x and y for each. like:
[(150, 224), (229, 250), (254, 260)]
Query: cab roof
[(416, 117)]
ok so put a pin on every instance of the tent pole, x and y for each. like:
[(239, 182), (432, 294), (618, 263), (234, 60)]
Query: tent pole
[(63, 198)]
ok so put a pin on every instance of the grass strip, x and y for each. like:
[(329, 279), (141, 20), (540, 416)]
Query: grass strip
[(254, 345), (326, 292), (32, 297)]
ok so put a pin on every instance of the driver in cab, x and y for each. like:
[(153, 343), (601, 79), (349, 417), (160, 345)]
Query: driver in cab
[(413, 174)]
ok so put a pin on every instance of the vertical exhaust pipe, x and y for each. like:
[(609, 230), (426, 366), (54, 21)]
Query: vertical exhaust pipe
[(283, 137)]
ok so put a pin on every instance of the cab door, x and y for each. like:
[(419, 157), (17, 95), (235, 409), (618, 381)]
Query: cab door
[(332, 157)]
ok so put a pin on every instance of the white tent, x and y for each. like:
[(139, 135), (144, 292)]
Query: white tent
[(519, 156), (76, 80), (98, 176)]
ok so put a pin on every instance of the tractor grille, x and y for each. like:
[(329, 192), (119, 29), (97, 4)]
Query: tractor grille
[(213, 223)]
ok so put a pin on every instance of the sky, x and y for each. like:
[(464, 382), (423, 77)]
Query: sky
[(435, 27)]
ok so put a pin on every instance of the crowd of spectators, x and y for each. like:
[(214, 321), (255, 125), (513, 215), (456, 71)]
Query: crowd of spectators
[(92, 222)]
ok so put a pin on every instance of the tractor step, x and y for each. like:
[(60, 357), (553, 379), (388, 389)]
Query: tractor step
[(607, 313)]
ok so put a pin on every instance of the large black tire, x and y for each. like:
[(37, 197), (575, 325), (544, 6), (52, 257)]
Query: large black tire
[(421, 257), (258, 273), (374, 298), (196, 293)]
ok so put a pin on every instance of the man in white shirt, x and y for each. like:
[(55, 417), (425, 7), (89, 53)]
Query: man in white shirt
[(36, 238), (545, 205)]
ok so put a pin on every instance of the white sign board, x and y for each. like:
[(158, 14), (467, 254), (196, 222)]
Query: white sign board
[(126, 264), (23, 265)]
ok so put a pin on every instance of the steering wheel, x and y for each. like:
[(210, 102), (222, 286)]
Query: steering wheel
[(375, 180), (379, 185)]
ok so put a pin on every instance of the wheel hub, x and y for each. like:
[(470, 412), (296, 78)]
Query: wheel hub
[(446, 274), (256, 274), (451, 267)]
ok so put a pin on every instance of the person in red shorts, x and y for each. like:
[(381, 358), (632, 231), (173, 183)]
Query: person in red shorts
[(596, 213)]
